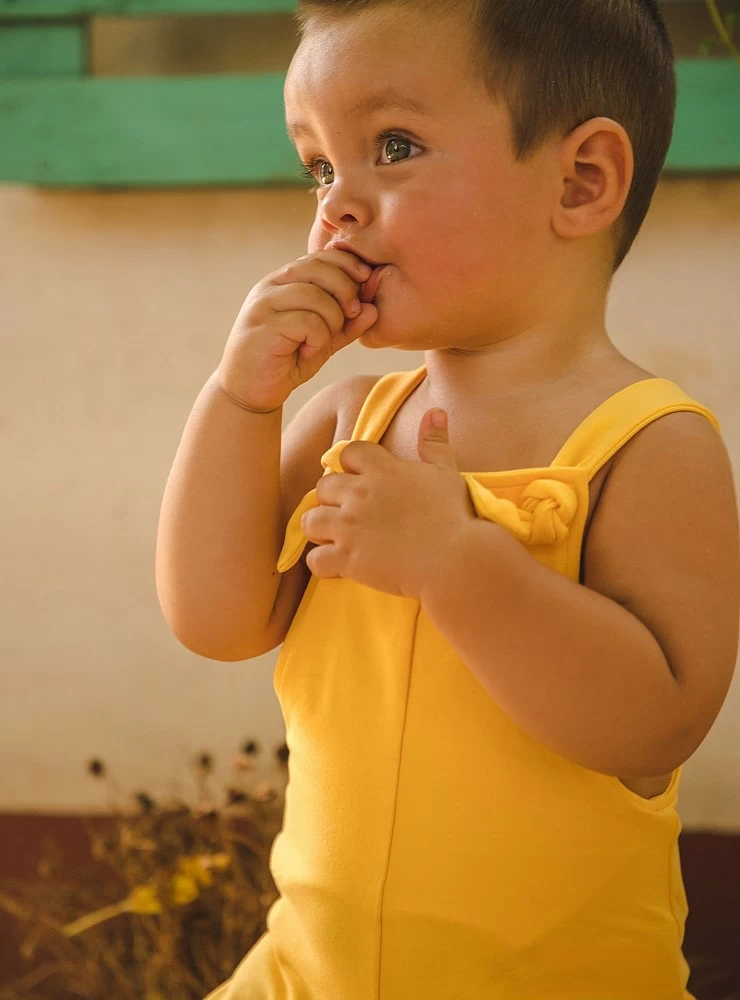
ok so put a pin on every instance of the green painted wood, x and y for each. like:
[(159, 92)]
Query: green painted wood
[(35, 9), (40, 9), (141, 132), (230, 130), (706, 135), (42, 50)]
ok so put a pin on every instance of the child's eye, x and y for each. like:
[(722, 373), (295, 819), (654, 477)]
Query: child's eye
[(385, 138)]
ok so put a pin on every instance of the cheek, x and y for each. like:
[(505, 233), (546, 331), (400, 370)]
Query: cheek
[(317, 236), (463, 251), (483, 223)]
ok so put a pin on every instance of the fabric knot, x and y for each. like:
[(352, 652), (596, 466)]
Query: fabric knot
[(547, 511), (553, 506), (544, 518)]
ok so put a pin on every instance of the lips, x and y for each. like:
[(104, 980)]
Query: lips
[(369, 288), (341, 245)]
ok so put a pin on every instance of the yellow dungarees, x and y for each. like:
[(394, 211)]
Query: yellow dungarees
[(431, 849)]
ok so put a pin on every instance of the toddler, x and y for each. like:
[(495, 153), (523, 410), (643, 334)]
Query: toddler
[(503, 631)]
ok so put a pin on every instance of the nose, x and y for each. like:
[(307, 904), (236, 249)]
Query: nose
[(344, 206)]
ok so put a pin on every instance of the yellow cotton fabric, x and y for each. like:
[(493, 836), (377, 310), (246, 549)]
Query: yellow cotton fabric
[(431, 849)]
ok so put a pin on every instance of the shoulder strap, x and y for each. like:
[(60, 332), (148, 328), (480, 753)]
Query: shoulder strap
[(620, 417), (382, 402)]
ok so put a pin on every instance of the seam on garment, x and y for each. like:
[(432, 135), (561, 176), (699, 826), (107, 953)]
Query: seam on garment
[(395, 806), (671, 880)]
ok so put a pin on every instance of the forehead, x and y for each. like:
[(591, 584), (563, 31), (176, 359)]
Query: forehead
[(361, 63)]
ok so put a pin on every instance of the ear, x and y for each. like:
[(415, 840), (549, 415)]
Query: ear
[(596, 170)]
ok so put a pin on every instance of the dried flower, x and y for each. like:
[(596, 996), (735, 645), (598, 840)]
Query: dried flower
[(243, 763), (173, 897), (264, 791), (184, 890), (205, 809), (146, 802)]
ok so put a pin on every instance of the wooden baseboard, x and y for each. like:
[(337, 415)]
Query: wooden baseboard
[(710, 862)]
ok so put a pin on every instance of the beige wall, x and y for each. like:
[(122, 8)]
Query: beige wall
[(115, 309)]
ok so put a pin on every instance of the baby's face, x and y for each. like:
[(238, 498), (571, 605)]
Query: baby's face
[(441, 198)]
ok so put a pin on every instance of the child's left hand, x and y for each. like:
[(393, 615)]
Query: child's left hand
[(385, 522)]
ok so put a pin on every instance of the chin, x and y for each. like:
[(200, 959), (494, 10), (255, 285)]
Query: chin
[(366, 341), (375, 341)]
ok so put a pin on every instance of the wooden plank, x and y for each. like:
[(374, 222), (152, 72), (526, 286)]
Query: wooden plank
[(35, 9), (42, 50), (706, 135), (142, 132), (40, 9), (224, 130)]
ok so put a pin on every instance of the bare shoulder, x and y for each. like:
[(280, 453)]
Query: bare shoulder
[(351, 394), (664, 543)]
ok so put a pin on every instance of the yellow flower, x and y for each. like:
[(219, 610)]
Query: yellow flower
[(196, 867), (184, 890), (143, 899), (192, 872)]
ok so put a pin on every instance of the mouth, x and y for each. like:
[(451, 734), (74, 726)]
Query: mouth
[(339, 245), (369, 288)]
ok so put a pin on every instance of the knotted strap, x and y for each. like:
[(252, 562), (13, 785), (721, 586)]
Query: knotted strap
[(544, 518)]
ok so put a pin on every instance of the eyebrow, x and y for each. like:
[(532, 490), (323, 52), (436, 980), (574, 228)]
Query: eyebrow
[(386, 100)]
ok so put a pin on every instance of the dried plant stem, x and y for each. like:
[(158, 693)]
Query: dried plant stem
[(721, 30), (16, 909), (84, 923), (119, 973), (38, 975), (178, 892), (13, 907)]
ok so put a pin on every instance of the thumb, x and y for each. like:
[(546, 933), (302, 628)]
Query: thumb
[(434, 443), (354, 328)]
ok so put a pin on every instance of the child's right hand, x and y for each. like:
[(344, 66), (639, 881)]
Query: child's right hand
[(290, 324)]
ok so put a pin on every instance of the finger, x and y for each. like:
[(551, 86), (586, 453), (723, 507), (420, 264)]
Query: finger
[(320, 524), (302, 300), (353, 329), (330, 487), (358, 456), (324, 562), (336, 272)]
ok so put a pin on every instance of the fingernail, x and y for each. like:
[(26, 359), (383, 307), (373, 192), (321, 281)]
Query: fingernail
[(354, 308), (439, 418)]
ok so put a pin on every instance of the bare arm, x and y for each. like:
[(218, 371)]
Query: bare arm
[(626, 674), (222, 517), (219, 532)]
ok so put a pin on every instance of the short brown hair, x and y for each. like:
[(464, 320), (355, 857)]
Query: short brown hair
[(558, 63)]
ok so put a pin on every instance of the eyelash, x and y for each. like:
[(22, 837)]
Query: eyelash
[(380, 140)]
